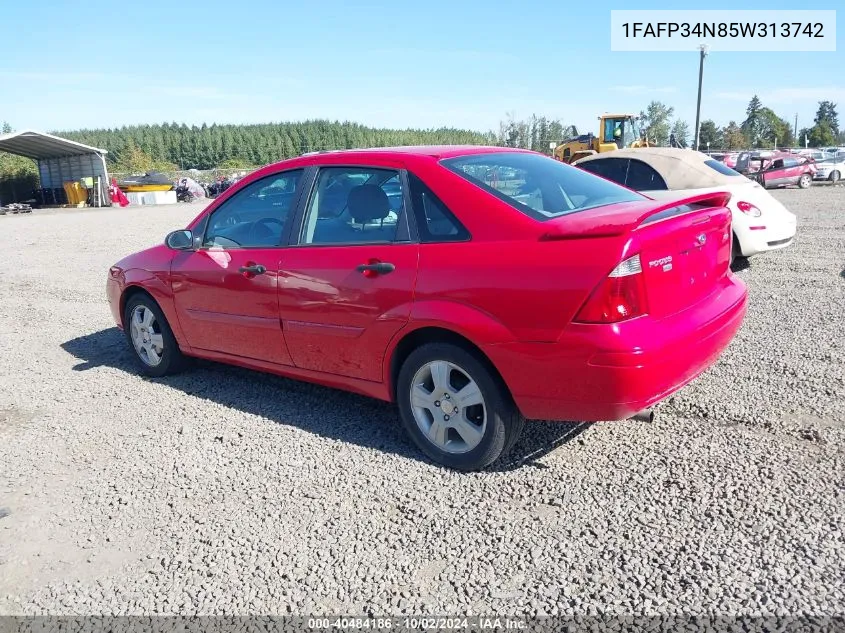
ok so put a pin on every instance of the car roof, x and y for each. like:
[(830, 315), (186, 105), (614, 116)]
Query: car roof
[(384, 156), (434, 151), (378, 156), (679, 168)]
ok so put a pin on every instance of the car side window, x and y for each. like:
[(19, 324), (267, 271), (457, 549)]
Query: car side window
[(354, 205), (255, 216), (435, 222), (643, 177), (614, 169)]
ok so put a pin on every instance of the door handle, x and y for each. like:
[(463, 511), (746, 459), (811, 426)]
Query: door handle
[(253, 269), (376, 268)]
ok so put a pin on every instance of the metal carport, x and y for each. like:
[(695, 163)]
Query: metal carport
[(59, 160)]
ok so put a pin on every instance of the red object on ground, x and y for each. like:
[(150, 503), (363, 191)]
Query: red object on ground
[(117, 194)]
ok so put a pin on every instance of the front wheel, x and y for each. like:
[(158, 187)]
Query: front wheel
[(805, 181), (834, 177), (455, 408), (151, 338)]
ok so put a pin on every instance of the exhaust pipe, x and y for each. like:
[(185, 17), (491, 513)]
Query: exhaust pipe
[(646, 415)]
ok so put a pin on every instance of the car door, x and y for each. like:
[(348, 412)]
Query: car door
[(346, 283), (226, 291), (776, 174), (793, 169)]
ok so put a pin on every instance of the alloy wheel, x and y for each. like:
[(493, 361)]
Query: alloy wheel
[(448, 407), (146, 335)]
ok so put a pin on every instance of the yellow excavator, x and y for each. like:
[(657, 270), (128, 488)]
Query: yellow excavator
[(615, 132)]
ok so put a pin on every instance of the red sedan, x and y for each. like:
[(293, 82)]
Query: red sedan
[(475, 287)]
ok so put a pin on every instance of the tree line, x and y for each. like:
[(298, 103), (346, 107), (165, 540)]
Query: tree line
[(172, 146), (761, 128)]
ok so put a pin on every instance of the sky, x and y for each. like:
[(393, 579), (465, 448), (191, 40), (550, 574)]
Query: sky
[(432, 63)]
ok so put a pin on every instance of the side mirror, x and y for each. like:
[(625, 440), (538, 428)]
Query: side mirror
[(180, 240)]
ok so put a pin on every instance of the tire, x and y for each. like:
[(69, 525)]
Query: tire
[(143, 339), (805, 181), (834, 177), (488, 430)]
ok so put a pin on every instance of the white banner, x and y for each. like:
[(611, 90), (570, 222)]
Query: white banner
[(723, 30)]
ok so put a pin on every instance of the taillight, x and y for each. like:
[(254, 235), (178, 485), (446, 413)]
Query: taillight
[(619, 297), (750, 209)]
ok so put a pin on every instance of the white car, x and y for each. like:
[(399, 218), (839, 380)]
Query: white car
[(832, 168), (760, 222)]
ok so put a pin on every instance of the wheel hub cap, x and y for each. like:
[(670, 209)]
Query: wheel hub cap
[(448, 407), (148, 343)]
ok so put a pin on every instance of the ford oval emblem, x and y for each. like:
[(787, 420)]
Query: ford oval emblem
[(702, 238)]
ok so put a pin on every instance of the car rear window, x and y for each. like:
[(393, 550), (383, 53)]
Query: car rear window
[(538, 186), (721, 168)]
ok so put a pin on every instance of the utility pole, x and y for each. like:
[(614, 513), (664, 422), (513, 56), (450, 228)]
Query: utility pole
[(795, 134), (703, 48)]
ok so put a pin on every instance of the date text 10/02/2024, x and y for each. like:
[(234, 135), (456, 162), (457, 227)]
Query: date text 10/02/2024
[(418, 624)]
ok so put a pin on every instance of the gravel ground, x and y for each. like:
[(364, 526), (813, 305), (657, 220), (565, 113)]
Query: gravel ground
[(227, 491)]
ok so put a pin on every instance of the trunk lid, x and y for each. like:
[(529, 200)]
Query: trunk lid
[(683, 256), (684, 244)]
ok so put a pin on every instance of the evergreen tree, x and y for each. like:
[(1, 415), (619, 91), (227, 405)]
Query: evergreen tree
[(827, 113), (753, 127), (709, 135)]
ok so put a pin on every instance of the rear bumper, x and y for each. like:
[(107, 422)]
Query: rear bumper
[(772, 238), (602, 372)]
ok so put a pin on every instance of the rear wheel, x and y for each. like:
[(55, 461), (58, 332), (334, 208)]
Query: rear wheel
[(805, 181), (151, 338), (455, 408), (834, 176)]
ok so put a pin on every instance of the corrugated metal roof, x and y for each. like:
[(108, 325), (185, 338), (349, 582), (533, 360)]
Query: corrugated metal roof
[(38, 145)]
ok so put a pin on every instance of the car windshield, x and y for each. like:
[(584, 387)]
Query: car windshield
[(538, 186)]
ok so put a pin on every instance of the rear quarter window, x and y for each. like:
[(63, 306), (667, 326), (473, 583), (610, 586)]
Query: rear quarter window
[(615, 169), (538, 186), (721, 168), (643, 177)]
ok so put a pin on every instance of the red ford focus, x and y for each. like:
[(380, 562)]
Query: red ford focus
[(475, 287)]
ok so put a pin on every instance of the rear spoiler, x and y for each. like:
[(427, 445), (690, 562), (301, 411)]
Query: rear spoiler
[(618, 219)]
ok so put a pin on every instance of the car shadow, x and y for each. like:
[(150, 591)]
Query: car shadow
[(327, 412), (740, 264)]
